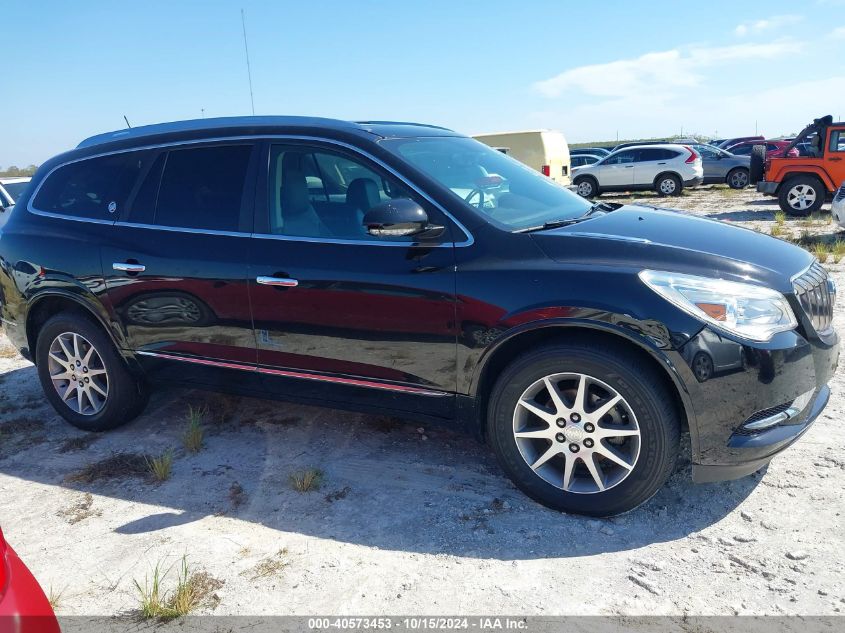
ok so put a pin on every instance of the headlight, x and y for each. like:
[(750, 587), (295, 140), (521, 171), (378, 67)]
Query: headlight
[(753, 312)]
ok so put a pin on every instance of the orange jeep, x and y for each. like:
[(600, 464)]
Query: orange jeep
[(802, 183)]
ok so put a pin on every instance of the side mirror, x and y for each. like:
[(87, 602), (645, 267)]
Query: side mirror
[(396, 218)]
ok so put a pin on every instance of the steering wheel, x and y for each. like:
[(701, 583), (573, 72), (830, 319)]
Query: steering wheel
[(480, 193)]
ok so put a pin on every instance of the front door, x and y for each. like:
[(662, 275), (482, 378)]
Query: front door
[(341, 315), (618, 170), (176, 264)]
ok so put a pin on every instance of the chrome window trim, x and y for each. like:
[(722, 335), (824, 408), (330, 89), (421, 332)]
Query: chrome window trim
[(469, 241)]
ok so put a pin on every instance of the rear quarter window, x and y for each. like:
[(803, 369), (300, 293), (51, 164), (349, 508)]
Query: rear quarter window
[(94, 188)]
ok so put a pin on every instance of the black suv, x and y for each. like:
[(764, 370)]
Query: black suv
[(406, 269)]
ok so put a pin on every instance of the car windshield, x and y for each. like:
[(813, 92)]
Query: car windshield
[(493, 184), (15, 189)]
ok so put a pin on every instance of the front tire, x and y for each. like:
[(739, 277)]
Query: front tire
[(584, 428), (737, 178), (587, 187), (802, 195), (83, 376), (668, 185)]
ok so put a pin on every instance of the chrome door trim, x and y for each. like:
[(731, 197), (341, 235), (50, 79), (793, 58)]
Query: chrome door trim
[(128, 268), (354, 382), (277, 281), (235, 139)]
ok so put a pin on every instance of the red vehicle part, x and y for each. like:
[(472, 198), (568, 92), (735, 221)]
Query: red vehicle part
[(23, 606)]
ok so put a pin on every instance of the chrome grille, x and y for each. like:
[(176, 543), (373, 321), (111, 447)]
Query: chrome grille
[(816, 293)]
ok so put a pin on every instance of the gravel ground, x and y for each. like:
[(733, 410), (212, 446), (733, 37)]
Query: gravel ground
[(406, 520)]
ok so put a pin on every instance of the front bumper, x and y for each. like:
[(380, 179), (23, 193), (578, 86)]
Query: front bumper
[(694, 182), (747, 382), (768, 188)]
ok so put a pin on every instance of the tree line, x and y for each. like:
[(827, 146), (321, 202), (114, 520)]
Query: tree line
[(14, 170)]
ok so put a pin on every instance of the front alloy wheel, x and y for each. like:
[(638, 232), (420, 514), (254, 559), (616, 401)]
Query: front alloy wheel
[(78, 373), (577, 433), (585, 188), (584, 425), (801, 197)]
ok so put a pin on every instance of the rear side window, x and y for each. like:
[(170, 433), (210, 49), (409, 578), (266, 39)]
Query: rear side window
[(656, 153), (202, 188), (94, 188)]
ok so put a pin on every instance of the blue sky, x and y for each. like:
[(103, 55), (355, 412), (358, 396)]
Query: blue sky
[(591, 69)]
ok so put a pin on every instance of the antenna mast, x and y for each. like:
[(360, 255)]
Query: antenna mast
[(248, 71)]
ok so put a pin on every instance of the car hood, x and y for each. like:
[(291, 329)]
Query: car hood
[(643, 237)]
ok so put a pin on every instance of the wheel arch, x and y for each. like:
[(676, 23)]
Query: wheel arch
[(48, 303), (792, 173), (519, 340), (667, 172)]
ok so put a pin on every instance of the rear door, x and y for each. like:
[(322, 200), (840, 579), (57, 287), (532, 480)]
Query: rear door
[(651, 161), (176, 264), (617, 170)]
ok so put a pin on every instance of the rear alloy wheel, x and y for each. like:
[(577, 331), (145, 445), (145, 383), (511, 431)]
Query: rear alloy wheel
[(737, 178), (84, 377), (702, 366), (584, 427), (586, 188), (801, 195), (668, 185)]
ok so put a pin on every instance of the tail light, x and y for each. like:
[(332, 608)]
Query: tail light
[(693, 155), (546, 170)]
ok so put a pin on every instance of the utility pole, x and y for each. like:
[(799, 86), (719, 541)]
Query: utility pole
[(248, 70)]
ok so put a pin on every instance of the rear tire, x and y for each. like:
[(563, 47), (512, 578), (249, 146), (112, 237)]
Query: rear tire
[(801, 195), (737, 178), (587, 187), (608, 369), (74, 355), (757, 166), (668, 185)]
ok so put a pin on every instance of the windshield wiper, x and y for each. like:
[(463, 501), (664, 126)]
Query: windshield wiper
[(598, 207)]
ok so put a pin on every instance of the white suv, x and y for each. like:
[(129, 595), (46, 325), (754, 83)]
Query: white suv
[(665, 168)]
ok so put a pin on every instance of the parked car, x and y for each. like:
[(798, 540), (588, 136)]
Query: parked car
[(543, 150), (10, 189), (803, 183), (665, 168), (593, 151), (23, 606), (837, 209), (723, 167), (739, 139), (678, 141), (774, 149), (407, 269), (579, 160), (717, 141)]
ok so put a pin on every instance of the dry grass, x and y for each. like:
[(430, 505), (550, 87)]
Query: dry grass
[(820, 250), (115, 467), (838, 250), (55, 598), (75, 444), (267, 567), (237, 495), (777, 231), (80, 510), (160, 467), (306, 480), (193, 437), (222, 407), (191, 592), (7, 350), (780, 218)]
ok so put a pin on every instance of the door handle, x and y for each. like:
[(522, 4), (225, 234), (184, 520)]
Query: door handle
[(129, 268), (834, 158), (629, 166), (277, 281)]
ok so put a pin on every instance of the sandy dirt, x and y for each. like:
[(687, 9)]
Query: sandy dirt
[(407, 520)]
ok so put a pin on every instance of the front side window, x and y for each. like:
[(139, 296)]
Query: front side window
[(91, 188), (201, 188), (837, 141), (322, 194), (496, 186)]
